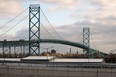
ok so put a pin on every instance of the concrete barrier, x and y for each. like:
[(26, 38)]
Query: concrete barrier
[(37, 71)]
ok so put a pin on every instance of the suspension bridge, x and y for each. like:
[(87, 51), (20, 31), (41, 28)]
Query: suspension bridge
[(34, 36)]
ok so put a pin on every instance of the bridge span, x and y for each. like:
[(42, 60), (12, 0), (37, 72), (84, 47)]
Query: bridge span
[(55, 41), (18, 43)]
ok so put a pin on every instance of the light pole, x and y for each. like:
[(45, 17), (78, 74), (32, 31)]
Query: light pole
[(112, 51), (47, 48), (47, 51)]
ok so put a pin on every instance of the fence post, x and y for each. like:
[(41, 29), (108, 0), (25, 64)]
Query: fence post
[(22, 71), (67, 71), (7, 71), (97, 72), (111, 71)]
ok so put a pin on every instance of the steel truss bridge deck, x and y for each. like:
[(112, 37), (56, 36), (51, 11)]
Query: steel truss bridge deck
[(26, 43), (18, 43)]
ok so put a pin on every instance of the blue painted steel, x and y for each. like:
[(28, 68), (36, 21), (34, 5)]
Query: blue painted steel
[(86, 40), (34, 29), (55, 41), (64, 42)]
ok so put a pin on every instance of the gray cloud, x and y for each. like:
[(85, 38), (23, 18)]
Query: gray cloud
[(101, 34), (23, 34)]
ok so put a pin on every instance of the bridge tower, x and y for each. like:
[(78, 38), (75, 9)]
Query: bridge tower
[(86, 40), (34, 29)]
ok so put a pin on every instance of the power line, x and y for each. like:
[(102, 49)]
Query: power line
[(51, 24), (13, 18), (13, 26), (47, 30)]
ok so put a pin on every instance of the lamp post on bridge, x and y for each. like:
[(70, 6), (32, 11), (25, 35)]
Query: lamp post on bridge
[(47, 48), (113, 51)]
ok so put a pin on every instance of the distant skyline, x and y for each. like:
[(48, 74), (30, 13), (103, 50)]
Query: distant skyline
[(68, 18)]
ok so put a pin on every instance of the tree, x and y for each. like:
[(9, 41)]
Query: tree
[(53, 51)]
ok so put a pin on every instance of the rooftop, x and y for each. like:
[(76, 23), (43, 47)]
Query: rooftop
[(77, 60), (37, 58)]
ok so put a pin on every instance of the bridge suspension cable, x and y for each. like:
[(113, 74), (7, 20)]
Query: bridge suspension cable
[(93, 40), (79, 37), (51, 24), (47, 31), (13, 26), (13, 18)]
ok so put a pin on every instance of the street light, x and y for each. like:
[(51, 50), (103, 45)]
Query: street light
[(47, 48)]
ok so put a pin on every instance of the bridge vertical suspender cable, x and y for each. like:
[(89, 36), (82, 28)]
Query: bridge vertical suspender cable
[(13, 18), (51, 24), (47, 31), (93, 41), (13, 26)]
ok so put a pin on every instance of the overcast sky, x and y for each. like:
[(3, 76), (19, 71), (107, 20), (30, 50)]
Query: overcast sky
[(68, 18)]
